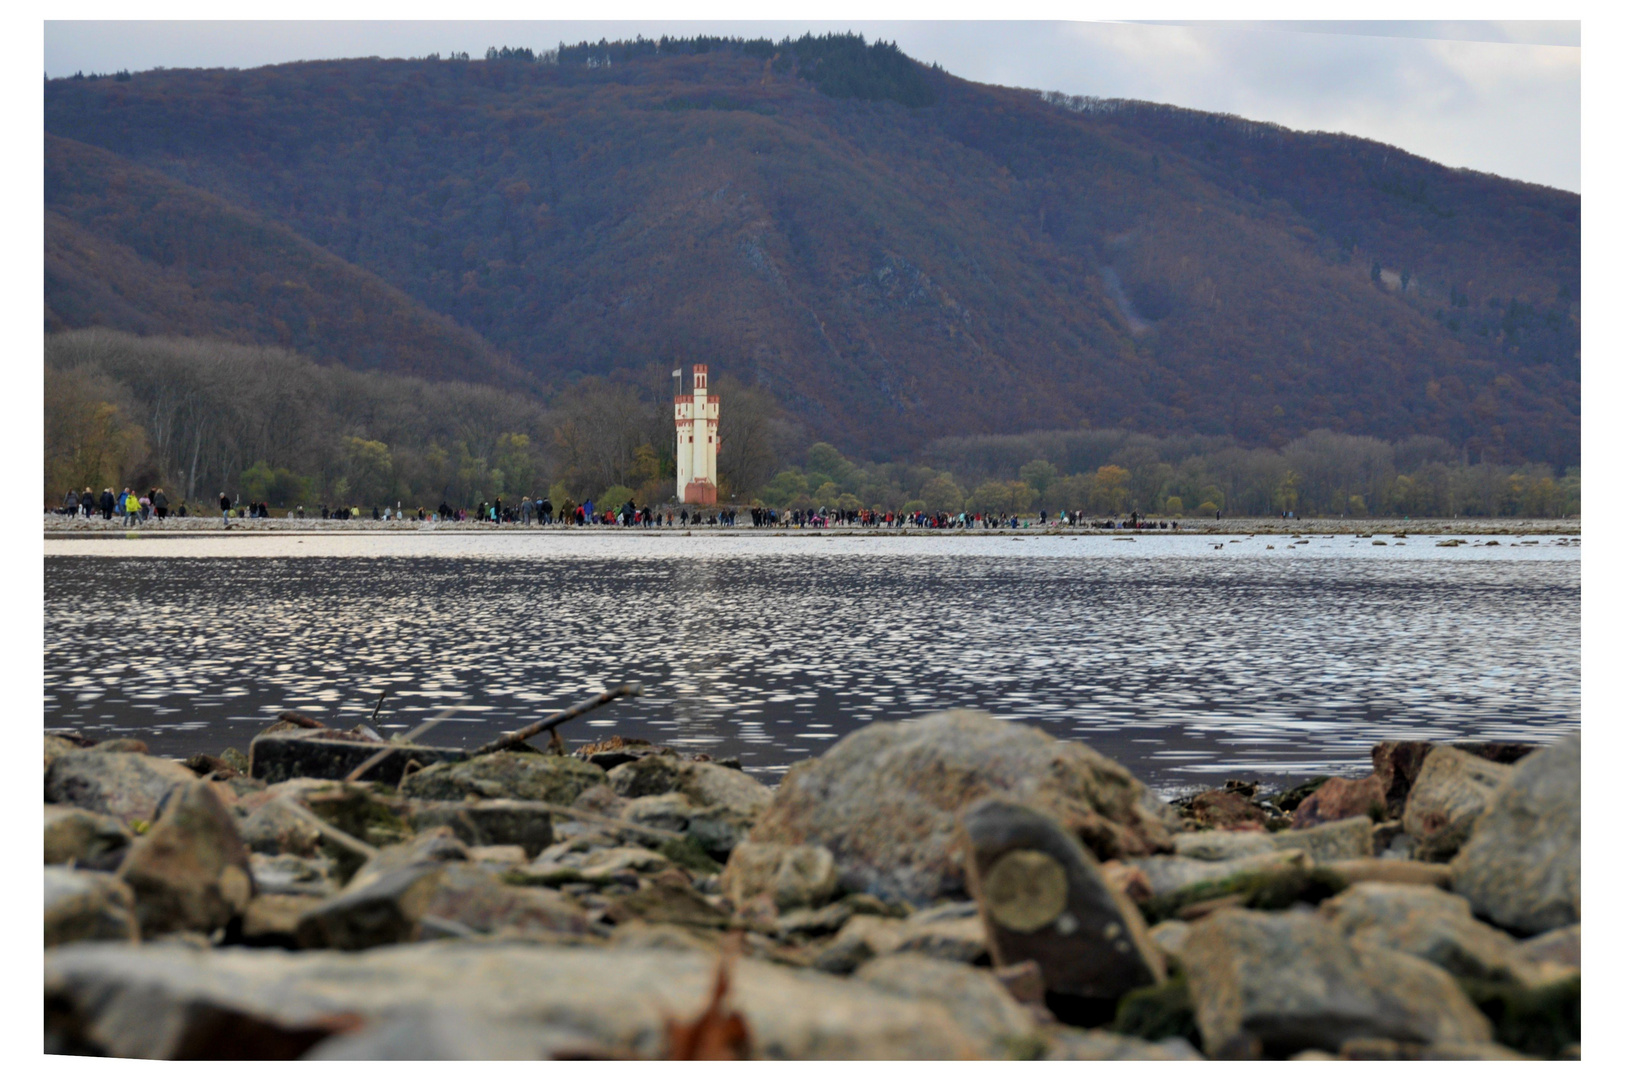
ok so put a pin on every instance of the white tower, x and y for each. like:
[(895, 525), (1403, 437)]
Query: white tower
[(696, 417)]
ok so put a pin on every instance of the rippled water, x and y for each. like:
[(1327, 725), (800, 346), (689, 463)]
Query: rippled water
[(1184, 660)]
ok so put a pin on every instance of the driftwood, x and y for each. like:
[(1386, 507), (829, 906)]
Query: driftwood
[(515, 738)]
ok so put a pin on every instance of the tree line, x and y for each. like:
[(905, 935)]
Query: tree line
[(263, 424), (267, 425)]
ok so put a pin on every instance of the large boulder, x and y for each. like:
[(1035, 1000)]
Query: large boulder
[(85, 905), (702, 782), (386, 901), (333, 755), (506, 775), (1426, 922), (191, 870), (83, 837), (1520, 868), (1274, 984), (1449, 794), (163, 1001), (884, 799), (125, 786), (1042, 898)]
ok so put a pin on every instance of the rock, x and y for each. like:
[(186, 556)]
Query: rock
[(121, 746), (235, 759), (978, 1004), (190, 871), (125, 786), (486, 822), (1560, 949), (703, 783), (1041, 898), (884, 799), (959, 940), (1372, 1049), (501, 856), (84, 837), (358, 811), (670, 811), (452, 1034), (1451, 792), (55, 747), (87, 905), (387, 899), (1169, 937), (795, 875), (1284, 982), (273, 919), (327, 755), (1071, 1044), (1023, 982), (1169, 873), (505, 775), (170, 1002), (818, 922), (1129, 880), (477, 897), (1394, 872), (1339, 798), (292, 875), (1219, 809), (1218, 844), (1398, 763), (277, 828), (1426, 922), (1330, 842), (668, 898), (1520, 867)]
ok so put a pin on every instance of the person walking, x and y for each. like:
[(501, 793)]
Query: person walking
[(226, 511), (132, 509), (161, 504)]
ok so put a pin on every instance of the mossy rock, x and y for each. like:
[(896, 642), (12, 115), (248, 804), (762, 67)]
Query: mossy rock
[(355, 809), (1264, 890), (1158, 1012), (505, 775), (1538, 1021), (1287, 801), (689, 854)]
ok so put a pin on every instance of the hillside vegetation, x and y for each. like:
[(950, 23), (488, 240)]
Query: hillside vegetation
[(895, 254), (198, 417)]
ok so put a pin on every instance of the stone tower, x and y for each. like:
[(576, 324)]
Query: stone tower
[(696, 417)]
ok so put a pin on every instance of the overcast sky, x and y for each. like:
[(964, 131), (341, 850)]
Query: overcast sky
[(1500, 97)]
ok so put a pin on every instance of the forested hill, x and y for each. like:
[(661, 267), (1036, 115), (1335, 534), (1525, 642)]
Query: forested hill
[(897, 254)]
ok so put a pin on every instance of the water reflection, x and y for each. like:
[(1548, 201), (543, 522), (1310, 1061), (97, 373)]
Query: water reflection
[(1183, 661)]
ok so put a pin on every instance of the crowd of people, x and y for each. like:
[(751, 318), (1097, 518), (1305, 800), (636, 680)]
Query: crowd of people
[(137, 509)]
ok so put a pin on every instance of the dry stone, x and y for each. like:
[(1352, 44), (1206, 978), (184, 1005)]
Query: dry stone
[(702, 782), (884, 799), (1333, 841), (1520, 868), (163, 1001), (83, 837), (1452, 790), (1429, 923), (125, 786), (191, 870), (980, 1006), (87, 905), (794, 875), (1285, 982)]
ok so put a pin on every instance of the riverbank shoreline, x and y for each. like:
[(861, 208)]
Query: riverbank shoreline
[(60, 528)]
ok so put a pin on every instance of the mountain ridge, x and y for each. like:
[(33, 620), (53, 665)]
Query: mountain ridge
[(991, 262)]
